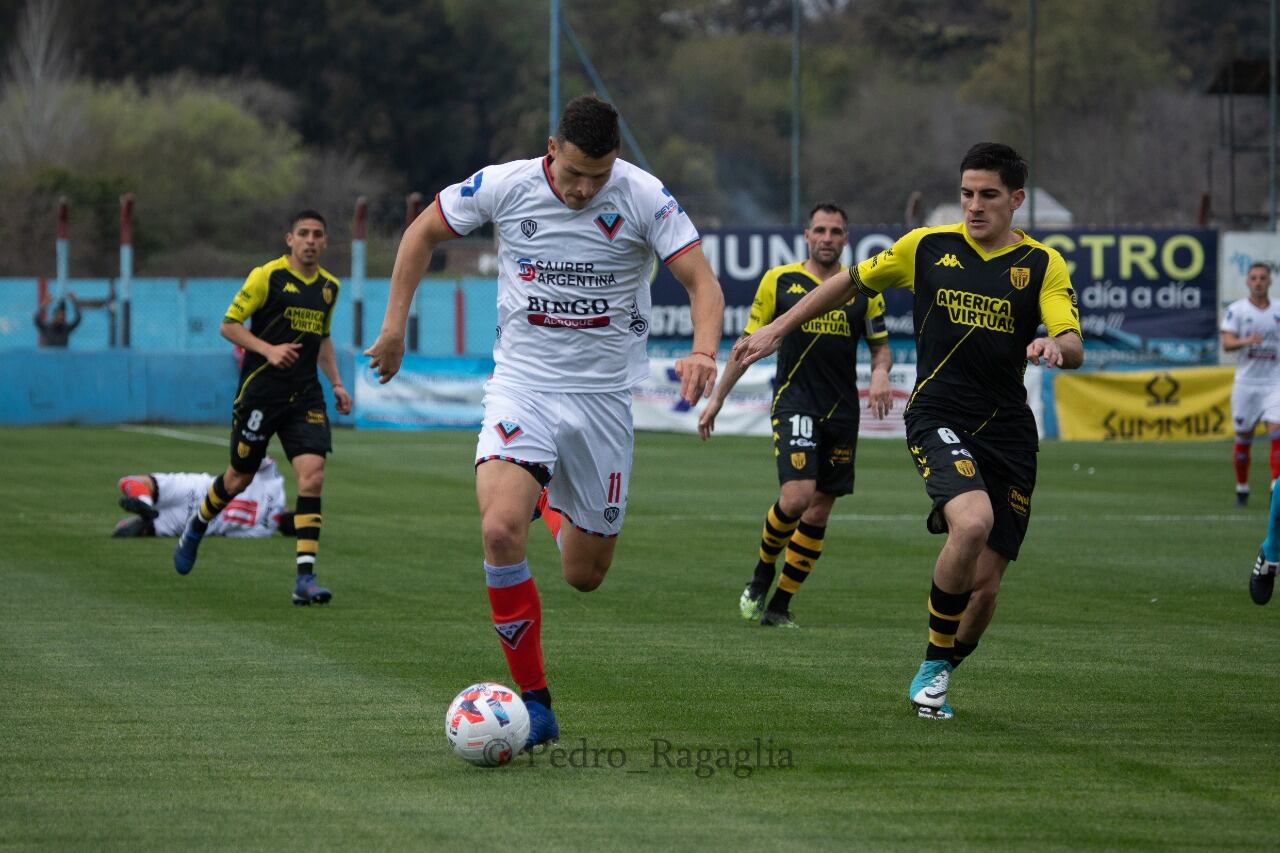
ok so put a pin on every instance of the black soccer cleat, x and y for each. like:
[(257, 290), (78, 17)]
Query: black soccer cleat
[(128, 503), (1263, 580), (777, 619)]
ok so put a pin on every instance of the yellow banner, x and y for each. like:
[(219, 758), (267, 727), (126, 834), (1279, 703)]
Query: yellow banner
[(1186, 404)]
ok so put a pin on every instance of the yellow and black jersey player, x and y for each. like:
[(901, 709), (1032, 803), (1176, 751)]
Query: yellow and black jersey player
[(288, 304), (982, 288), (815, 411)]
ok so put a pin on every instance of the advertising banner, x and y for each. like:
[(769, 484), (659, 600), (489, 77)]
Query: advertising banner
[(1147, 296), (1187, 404)]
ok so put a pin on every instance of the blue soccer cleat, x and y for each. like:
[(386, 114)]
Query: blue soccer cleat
[(543, 727), (928, 690), (184, 553), (307, 591)]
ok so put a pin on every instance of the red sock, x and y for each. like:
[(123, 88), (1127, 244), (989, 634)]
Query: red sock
[(517, 617), (1275, 457), (133, 487), (550, 517), (1242, 463)]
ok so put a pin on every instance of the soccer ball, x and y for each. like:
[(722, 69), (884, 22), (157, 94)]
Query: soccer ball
[(487, 724)]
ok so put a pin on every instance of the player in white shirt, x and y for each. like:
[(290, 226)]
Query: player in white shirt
[(577, 233), (1251, 328), (162, 503)]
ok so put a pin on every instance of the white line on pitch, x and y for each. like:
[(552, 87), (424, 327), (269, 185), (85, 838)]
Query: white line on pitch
[(173, 433)]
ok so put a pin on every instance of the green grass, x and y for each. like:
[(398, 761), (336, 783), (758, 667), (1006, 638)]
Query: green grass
[(1125, 696)]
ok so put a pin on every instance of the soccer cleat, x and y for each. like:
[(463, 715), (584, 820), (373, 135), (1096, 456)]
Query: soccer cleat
[(543, 727), (928, 690), (1242, 498), (777, 619), (184, 553), (1263, 580), (751, 606), (307, 591), (129, 528), (943, 713), (139, 507)]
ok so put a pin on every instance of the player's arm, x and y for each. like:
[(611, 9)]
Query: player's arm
[(832, 293), (763, 307), (880, 392), (697, 371), (1063, 346), (327, 361), (1232, 342), (252, 296), (416, 247)]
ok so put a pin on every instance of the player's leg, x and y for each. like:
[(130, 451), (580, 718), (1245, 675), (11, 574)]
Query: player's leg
[(982, 605), (515, 460), (1271, 417), (308, 468), (1246, 410), (224, 487), (796, 480), (585, 557), (962, 510), (138, 495), (802, 551), (1263, 578)]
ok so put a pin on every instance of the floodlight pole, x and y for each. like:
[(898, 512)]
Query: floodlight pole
[(62, 248), (358, 270), (1031, 108), (126, 267), (412, 208), (1271, 149), (554, 70), (795, 113)]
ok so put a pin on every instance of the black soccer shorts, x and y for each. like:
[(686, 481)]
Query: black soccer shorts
[(952, 462), (299, 419), (807, 448)]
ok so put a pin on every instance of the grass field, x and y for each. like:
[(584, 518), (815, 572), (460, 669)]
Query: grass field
[(1125, 696)]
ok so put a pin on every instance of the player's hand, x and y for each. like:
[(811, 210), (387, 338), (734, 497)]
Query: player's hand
[(341, 399), (697, 375), (880, 394), (755, 346), (282, 355), (385, 356), (707, 420), (1255, 339), (1046, 348)]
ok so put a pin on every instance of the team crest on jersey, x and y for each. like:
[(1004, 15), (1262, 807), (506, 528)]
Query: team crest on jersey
[(242, 450), (611, 514), (609, 223), (471, 185), (327, 293), (965, 467), (529, 227), (511, 633), (507, 431), (1019, 277), (798, 460)]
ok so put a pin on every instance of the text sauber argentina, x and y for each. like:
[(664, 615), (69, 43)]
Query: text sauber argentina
[(564, 273), (974, 309)]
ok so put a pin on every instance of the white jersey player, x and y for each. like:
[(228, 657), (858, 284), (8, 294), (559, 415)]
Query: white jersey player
[(1251, 328), (578, 232), (164, 502)]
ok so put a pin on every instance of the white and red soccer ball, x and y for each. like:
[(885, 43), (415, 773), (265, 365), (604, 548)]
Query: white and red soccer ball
[(487, 724)]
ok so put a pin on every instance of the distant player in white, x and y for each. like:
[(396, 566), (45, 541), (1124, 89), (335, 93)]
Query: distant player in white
[(162, 503), (577, 233), (1251, 328)]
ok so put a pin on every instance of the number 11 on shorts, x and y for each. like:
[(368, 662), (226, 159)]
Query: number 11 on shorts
[(615, 488)]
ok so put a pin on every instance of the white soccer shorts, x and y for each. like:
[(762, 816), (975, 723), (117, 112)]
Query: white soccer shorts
[(584, 441), (1252, 403)]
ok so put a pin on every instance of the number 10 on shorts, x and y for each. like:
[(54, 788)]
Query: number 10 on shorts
[(615, 488)]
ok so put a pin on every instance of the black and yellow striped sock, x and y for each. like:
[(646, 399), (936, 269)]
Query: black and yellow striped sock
[(960, 651), (214, 500), (946, 609), (803, 551), (306, 520), (778, 527)]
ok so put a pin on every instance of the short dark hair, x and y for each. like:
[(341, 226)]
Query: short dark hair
[(307, 213), (591, 124), (827, 207), (996, 157), (1262, 264)]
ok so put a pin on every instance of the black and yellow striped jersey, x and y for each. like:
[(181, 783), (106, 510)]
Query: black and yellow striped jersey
[(816, 362), (975, 313), (283, 307)]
